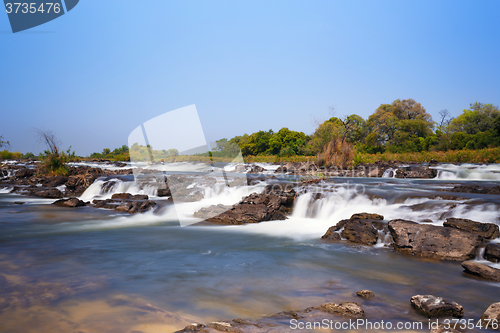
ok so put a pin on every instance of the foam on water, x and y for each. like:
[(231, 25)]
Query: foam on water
[(468, 171)]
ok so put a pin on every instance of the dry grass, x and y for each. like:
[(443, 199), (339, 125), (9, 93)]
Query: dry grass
[(336, 153)]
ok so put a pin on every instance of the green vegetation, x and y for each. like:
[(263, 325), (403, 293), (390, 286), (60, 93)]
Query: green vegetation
[(118, 154), (54, 161)]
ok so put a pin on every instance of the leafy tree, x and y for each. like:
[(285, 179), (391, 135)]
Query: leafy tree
[(478, 118), (290, 142)]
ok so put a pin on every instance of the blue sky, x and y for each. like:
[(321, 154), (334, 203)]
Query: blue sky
[(98, 72)]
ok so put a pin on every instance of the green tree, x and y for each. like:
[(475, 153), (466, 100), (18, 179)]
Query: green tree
[(478, 118)]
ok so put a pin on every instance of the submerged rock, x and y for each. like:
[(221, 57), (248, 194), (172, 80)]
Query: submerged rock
[(482, 270), (492, 313), (485, 230), (367, 294), (432, 306), (71, 202), (348, 309), (492, 252), (433, 241)]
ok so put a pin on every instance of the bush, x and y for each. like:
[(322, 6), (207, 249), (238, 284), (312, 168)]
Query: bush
[(7, 155)]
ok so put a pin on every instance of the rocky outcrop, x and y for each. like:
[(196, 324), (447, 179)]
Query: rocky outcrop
[(416, 172), (256, 169), (208, 212), (128, 196), (485, 230), (433, 241), (258, 208), (126, 206), (361, 228), (71, 202), (482, 270), (492, 313), (24, 173), (367, 294), (492, 252), (432, 306), (52, 193), (477, 189)]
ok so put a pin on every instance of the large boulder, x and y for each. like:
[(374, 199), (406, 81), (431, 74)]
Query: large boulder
[(361, 228), (24, 173), (492, 252), (432, 306), (71, 202), (492, 313), (482, 270), (485, 230), (126, 206), (433, 241)]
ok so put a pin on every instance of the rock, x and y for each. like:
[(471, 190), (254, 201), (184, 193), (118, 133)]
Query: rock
[(139, 197), (485, 230), (253, 209), (52, 193), (433, 241), (140, 207), (357, 231), (348, 309), (214, 210), (121, 196), (492, 313), (19, 202), (126, 206), (416, 172), (223, 326), (433, 161), (432, 306), (164, 192), (482, 270), (332, 235), (492, 252), (367, 216), (477, 189), (71, 202), (365, 294), (24, 173), (256, 169), (54, 181), (194, 328), (443, 329)]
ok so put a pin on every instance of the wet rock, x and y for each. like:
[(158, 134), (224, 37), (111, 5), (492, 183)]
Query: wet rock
[(52, 193), (482, 270), (348, 309), (164, 192), (24, 173), (432, 306), (223, 326), (492, 313), (252, 209), (360, 231), (19, 202), (416, 172), (128, 196), (126, 206), (332, 235), (194, 328), (53, 181), (367, 294), (214, 210), (433, 241), (367, 216), (485, 230), (443, 329), (256, 169), (492, 252), (71, 202), (477, 189)]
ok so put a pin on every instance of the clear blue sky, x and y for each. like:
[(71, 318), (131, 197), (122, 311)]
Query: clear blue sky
[(96, 73)]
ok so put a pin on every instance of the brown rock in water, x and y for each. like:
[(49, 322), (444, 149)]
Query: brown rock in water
[(416, 172), (253, 209), (432, 306), (492, 313), (485, 230), (477, 189), (214, 210), (348, 309), (482, 270), (492, 252), (367, 294), (121, 196), (433, 241), (367, 216), (71, 202), (52, 193), (24, 173), (164, 192), (331, 235), (355, 230)]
